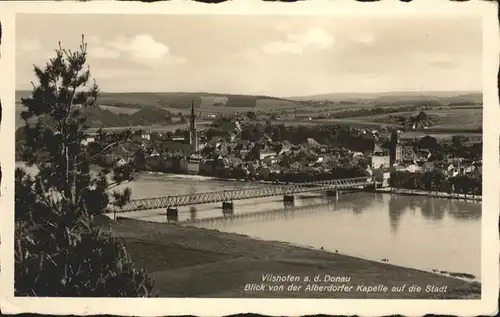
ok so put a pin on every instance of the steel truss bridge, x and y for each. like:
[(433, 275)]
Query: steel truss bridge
[(240, 194)]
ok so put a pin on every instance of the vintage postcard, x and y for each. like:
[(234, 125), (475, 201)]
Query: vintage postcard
[(249, 157)]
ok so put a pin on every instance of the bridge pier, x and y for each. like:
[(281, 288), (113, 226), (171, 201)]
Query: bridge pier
[(192, 212), (172, 214), (288, 198), (227, 208), (227, 205), (333, 193), (370, 187)]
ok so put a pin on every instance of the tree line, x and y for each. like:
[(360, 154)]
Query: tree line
[(436, 181)]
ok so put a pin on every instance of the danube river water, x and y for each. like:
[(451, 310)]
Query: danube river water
[(413, 231)]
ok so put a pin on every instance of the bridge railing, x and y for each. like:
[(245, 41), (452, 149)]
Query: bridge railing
[(239, 194)]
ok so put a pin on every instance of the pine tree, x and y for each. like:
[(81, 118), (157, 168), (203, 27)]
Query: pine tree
[(58, 252)]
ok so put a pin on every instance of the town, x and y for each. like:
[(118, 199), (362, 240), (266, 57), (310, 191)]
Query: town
[(235, 147)]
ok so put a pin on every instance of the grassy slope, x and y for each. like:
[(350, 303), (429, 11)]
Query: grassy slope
[(187, 261)]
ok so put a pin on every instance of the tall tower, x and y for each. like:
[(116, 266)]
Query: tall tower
[(193, 133), (395, 150)]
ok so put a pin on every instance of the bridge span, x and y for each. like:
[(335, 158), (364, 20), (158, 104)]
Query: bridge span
[(228, 196)]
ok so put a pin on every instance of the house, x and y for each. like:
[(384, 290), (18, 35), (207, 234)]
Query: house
[(266, 153), (244, 143), (477, 172), (120, 162), (369, 171), (377, 149), (428, 167), (296, 166), (408, 153), (397, 168), (413, 168), (382, 161), (154, 153), (468, 168), (180, 148), (311, 142), (89, 139), (422, 155), (381, 176), (146, 136), (451, 170), (284, 149), (178, 138), (269, 160), (428, 142), (380, 158), (264, 171)]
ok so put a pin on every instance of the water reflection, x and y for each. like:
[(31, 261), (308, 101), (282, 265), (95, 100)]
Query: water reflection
[(330, 223), (354, 204), (433, 209), (465, 210), (363, 203), (397, 206), (289, 211), (288, 204), (192, 213)]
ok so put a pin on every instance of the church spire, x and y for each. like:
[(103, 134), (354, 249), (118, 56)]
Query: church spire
[(193, 134), (192, 125)]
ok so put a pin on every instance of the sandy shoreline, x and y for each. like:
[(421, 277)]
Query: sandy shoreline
[(194, 262), (416, 192)]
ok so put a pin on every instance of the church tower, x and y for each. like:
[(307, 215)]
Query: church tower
[(193, 133), (396, 151)]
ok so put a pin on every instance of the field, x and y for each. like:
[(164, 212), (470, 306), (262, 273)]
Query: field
[(155, 128), (349, 122), (119, 110), (463, 118)]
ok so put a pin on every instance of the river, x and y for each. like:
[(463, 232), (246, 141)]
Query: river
[(412, 231)]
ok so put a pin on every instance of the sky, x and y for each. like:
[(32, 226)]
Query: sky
[(267, 55)]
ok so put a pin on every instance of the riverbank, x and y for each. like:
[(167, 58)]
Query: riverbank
[(193, 262), (417, 192)]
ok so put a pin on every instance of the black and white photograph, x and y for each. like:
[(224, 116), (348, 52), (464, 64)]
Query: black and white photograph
[(249, 156)]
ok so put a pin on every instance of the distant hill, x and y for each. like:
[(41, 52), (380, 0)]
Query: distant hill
[(183, 100), (398, 97), (98, 117)]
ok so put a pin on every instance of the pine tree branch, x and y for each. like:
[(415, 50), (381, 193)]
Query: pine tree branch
[(100, 152), (46, 198), (115, 184)]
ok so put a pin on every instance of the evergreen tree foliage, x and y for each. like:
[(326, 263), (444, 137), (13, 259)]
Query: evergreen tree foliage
[(58, 252)]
